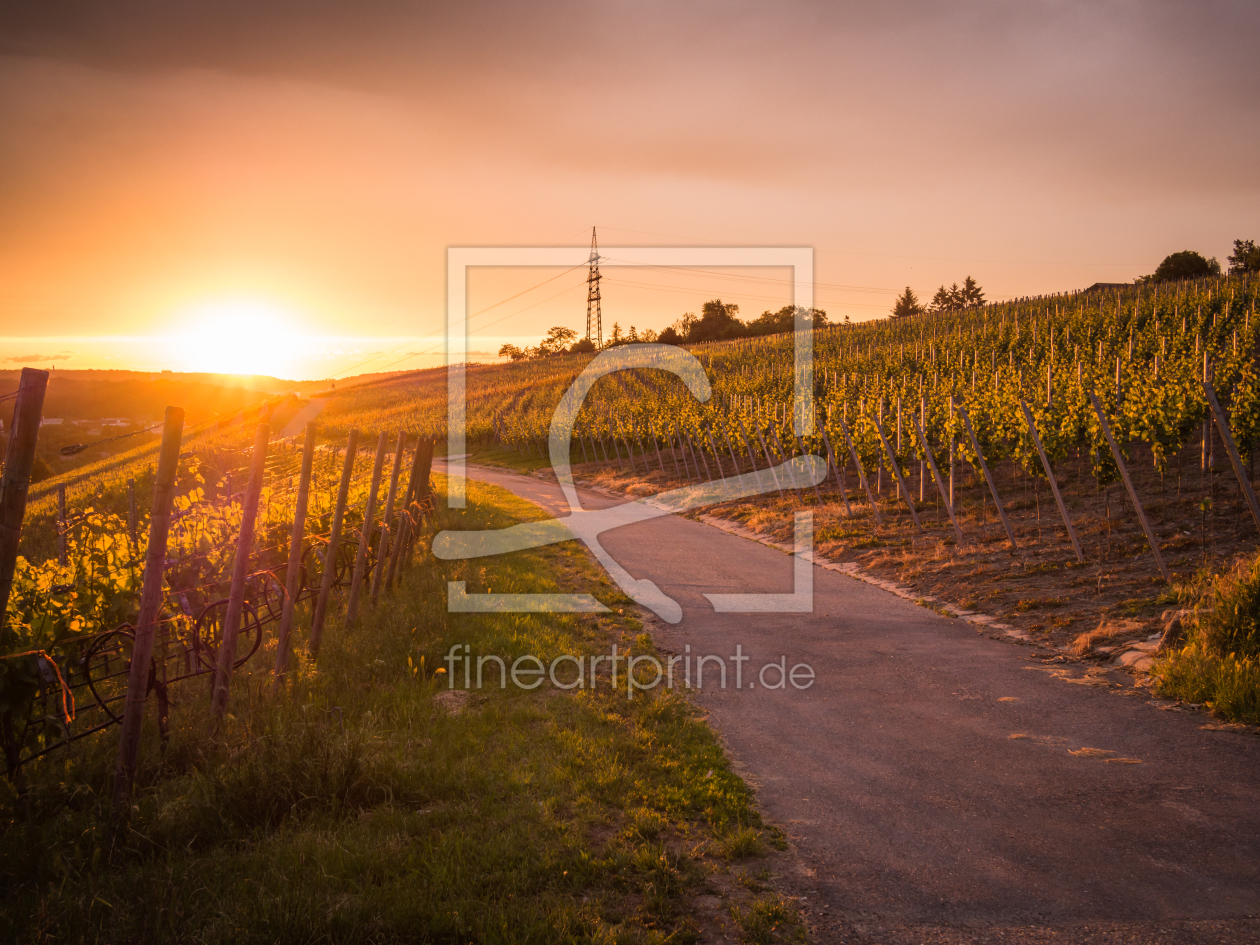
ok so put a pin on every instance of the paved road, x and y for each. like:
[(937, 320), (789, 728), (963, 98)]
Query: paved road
[(916, 812)]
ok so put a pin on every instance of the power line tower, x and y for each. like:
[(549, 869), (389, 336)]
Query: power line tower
[(594, 320)]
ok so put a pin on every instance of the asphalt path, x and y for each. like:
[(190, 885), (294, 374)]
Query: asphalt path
[(939, 785)]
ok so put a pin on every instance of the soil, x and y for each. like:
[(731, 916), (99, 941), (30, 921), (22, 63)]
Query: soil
[(1039, 590)]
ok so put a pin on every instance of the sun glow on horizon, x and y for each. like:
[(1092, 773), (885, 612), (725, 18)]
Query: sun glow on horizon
[(236, 336)]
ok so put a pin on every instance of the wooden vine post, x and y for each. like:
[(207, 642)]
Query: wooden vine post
[(1128, 484), (240, 574), (896, 467), (293, 572), (988, 477), (765, 451), (423, 489), (404, 518), (19, 460), (387, 521), (1228, 439), (1054, 486), (848, 440), (150, 607), (817, 495), (752, 456), (334, 544), (365, 532), (835, 469), (936, 477)]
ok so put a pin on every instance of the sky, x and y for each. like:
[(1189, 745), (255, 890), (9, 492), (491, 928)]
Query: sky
[(236, 186)]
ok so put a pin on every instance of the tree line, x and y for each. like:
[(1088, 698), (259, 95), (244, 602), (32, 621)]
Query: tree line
[(1186, 264), (718, 321)]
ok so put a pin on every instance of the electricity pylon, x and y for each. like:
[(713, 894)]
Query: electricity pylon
[(594, 320)]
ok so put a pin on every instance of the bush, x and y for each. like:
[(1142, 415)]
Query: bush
[(1220, 665), (1228, 616), (1229, 686), (1186, 264)]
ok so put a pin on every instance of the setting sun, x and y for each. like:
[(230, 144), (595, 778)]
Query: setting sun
[(235, 336)]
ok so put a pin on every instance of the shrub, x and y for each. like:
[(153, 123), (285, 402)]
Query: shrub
[(1220, 665)]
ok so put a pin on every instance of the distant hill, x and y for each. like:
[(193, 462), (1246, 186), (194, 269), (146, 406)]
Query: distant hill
[(143, 396)]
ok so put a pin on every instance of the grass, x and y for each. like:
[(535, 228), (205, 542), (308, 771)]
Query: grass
[(372, 804), (1220, 663)]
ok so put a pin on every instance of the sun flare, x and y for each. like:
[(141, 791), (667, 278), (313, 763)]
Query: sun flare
[(235, 336)]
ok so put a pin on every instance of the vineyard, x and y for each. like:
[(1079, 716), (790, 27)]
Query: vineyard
[(1143, 351), (1073, 435), (279, 569), (1070, 437), (239, 538)]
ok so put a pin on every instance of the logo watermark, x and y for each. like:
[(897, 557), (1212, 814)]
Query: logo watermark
[(587, 525), (615, 671)]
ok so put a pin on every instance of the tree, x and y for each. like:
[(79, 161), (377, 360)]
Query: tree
[(1186, 264), (556, 341), (971, 293), (582, 346), (717, 321), (943, 301), (669, 336), (966, 296), (513, 352), (784, 320), (1245, 258), (907, 305), (685, 325)]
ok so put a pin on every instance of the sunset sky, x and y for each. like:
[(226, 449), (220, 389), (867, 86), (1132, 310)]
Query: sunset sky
[(271, 187)]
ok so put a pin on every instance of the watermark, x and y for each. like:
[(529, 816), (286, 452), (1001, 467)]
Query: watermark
[(615, 671), (587, 525)]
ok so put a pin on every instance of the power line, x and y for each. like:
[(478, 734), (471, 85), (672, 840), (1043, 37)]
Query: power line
[(746, 277), (416, 354), (431, 305)]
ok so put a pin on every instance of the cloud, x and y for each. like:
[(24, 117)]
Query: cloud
[(37, 358)]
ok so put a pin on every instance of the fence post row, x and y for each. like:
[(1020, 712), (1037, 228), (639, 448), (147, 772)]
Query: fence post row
[(240, 572), (19, 460), (334, 544), (293, 572), (150, 607)]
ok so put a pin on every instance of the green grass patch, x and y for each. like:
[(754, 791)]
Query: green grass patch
[(373, 803), (1220, 664)]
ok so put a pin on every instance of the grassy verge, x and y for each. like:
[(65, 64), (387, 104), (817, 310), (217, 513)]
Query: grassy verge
[(1220, 664), (372, 803)]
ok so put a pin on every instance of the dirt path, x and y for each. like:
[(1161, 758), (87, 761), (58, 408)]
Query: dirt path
[(940, 786), (303, 417)]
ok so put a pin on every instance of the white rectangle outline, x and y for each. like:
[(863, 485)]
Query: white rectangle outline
[(460, 258)]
